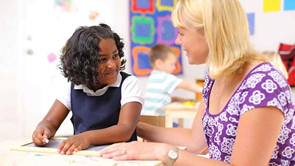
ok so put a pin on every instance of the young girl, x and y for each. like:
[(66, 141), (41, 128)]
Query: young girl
[(104, 101), (246, 117)]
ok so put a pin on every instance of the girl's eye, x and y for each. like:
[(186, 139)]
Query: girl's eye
[(116, 56), (102, 60)]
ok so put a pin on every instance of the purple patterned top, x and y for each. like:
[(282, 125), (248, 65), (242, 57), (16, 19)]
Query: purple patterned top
[(263, 86)]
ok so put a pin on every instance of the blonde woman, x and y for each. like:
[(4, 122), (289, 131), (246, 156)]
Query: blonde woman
[(247, 113)]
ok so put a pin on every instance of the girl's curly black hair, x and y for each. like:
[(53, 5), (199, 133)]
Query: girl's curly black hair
[(79, 58)]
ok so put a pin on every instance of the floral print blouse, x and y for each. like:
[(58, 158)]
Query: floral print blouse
[(263, 86)]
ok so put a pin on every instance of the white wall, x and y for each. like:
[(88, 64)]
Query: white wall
[(10, 69), (271, 28)]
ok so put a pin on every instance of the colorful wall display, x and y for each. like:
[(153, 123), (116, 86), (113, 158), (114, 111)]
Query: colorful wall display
[(150, 24)]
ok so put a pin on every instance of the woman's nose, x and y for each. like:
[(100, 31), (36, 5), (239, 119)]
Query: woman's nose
[(178, 40)]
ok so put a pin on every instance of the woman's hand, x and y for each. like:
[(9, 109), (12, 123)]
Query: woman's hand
[(40, 135), (137, 151), (74, 144)]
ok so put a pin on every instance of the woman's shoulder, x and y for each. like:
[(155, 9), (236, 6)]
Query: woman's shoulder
[(267, 71), (265, 77)]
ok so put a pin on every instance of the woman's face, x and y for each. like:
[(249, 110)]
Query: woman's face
[(109, 62), (194, 44)]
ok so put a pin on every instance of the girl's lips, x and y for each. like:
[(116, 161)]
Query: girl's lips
[(111, 72)]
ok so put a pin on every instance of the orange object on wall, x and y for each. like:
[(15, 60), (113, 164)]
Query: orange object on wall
[(201, 83)]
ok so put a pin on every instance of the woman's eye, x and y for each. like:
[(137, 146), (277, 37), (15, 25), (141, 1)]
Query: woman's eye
[(181, 34)]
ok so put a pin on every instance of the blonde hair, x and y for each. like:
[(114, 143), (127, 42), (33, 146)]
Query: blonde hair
[(276, 60), (160, 51), (225, 25)]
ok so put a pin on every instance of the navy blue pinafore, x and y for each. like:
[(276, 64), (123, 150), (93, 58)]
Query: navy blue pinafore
[(97, 112)]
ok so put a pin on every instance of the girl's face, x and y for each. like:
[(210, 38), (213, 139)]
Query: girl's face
[(109, 62), (194, 44)]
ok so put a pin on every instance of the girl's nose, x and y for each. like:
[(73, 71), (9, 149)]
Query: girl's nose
[(111, 64)]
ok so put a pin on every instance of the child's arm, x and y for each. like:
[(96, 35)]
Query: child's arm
[(122, 132), (50, 123), (190, 86), (173, 99)]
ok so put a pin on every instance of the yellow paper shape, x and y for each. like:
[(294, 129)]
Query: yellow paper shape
[(271, 5)]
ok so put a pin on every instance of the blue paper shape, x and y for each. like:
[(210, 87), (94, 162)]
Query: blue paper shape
[(167, 31), (143, 3), (289, 5), (143, 60), (251, 21), (169, 3), (142, 30)]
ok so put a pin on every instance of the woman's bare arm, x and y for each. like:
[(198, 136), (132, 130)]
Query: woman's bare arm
[(193, 139)]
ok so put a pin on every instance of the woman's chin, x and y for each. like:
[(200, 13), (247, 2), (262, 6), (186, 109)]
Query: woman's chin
[(191, 61)]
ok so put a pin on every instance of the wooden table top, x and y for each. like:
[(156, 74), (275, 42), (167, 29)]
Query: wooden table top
[(18, 158)]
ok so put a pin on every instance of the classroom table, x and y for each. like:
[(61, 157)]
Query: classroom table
[(18, 158), (179, 110)]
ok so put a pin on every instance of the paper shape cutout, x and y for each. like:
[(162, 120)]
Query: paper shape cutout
[(142, 30), (166, 32), (51, 57), (289, 5), (166, 5), (63, 5), (143, 6), (271, 5), (251, 22), (93, 15)]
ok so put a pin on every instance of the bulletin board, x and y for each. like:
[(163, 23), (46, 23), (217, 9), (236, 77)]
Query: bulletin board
[(150, 24)]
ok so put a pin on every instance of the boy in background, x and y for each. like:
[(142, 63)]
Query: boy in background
[(161, 83)]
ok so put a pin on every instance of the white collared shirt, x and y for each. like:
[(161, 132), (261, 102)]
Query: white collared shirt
[(130, 91)]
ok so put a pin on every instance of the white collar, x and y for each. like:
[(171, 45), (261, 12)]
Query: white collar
[(99, 91)]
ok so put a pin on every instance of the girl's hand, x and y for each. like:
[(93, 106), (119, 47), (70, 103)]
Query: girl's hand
[(137, 151), (74, 144), (40, 135)]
